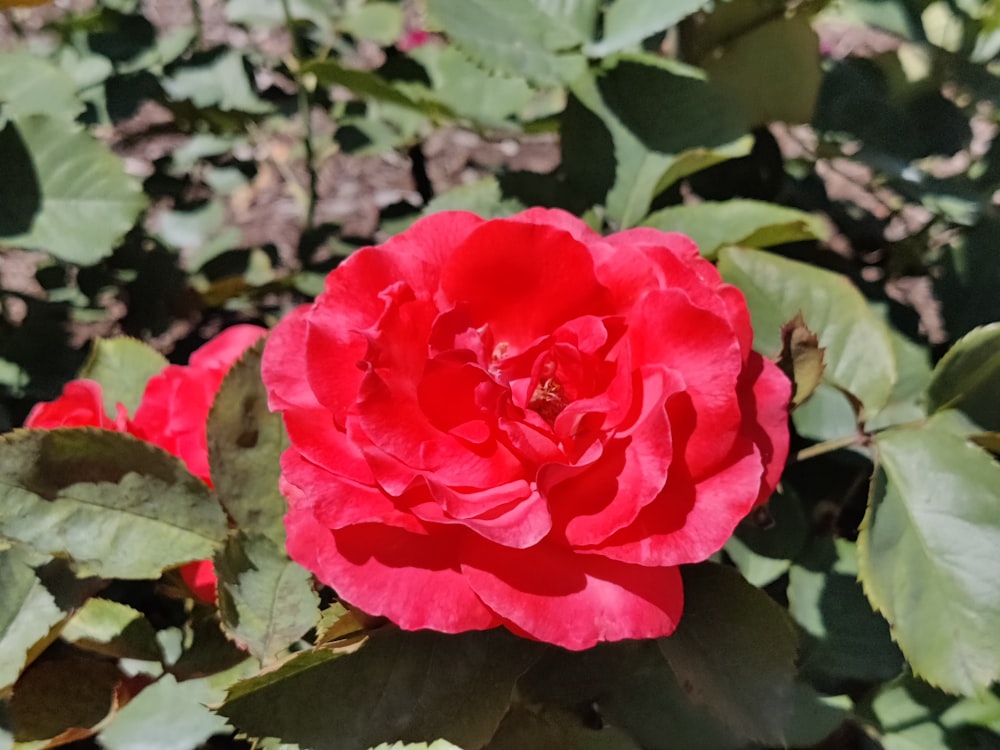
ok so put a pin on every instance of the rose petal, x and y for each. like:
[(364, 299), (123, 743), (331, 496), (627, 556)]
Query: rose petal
[(81, 404), (571, 600), (765, 417), (222, 351), (702, 347), (690, 522), (410, 578), (522, 293)]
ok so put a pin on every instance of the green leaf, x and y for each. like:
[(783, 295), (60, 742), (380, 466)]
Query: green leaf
[(814, 716), (469, 91), (461, 683), (845, 638), (482, 198), (120, 507), (741, 668), (628, 22), (966, 378), (737, 222), (171, 715), (31, 85), (764, 553), (266, 601), (906, 402), (122, 366), (114, 629), (650, 145), (827, 415), (381, 22), (530, 39), (752, 70), (269, 13), (545, 728), (366, 84), (87, 200), (62, 698), (655, 709), (28, 613), (245, 443), (696, 159), (217, 78), (927, 553), (858, 347)]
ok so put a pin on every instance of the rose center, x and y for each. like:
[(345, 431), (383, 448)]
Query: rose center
[(548, 399)]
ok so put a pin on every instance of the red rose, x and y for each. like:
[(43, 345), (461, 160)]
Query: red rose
[(172, 414), (519, 422)]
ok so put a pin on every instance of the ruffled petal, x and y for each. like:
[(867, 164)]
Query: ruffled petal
[(412, 579), (574, 601)]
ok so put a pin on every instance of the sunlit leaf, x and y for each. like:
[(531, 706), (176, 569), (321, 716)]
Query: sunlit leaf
[(266, 601), (628, 22), (28, 612), (87, 200), (967, 378), (927, 553), (858, 348), (737, 222), (122, 366), (171, 715), (112, 628), (118, 506), (31, 85), (533, 39)]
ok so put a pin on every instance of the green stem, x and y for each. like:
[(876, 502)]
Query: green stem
[(199, 23), (305, 112), (829, 446)]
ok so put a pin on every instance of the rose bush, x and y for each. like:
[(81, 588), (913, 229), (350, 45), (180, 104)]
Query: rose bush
[(172, 414), (519, 422)]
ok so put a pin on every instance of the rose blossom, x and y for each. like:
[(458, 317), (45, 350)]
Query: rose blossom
[(519, 422), (172, 414)]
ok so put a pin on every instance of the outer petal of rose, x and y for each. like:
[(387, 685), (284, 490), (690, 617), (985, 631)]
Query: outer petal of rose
[(690, 522), (320, 441), (411, 579), (222, 351), (765, 418), (524, 280), (283, 368), (739, 317), (629, 269), (200, 578), (700, 345), (421, 250), (173, 412), (556, 217), (81, 404), (338, 501), (574, 601)]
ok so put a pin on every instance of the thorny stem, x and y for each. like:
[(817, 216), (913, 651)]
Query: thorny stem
[(305, 112)]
